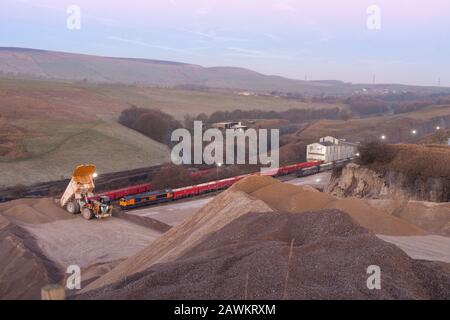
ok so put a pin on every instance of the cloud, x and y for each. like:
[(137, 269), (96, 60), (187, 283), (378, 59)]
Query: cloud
[(149, 45), (214, 36), (249, 53)]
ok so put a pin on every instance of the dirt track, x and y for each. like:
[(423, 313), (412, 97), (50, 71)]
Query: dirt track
[(174, 213), (317, 181), (84, 243), (433, 248)]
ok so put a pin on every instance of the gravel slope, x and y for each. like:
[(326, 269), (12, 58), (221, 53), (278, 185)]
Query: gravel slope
[(316, 255)]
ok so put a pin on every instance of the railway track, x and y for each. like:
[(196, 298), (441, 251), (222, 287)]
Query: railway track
[(103, 183)]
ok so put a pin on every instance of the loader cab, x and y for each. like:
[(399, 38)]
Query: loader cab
[(105, 200), (105, 205)]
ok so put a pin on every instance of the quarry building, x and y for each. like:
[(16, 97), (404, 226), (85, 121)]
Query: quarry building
[(229, 125), (330, 149)]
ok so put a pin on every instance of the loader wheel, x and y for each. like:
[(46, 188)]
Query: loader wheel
[(87, 214), (73, 207)]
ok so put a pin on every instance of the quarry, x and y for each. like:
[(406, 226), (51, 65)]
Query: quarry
[(224, 159), (358, 187), (305, 237)]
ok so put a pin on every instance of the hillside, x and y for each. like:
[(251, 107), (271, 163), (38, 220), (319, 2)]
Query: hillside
[(401, 172), (438, 137), (397, 128), (19, 97), (50, 150), (47, 126), (76, 67)]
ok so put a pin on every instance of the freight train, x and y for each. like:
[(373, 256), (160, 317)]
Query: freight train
[(322, 167), (142, 195), (132, 201), (143, 188)]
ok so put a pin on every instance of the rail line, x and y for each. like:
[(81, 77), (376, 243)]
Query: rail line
[(148, 197)]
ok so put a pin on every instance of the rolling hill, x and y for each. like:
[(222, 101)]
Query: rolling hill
[(78, 67)]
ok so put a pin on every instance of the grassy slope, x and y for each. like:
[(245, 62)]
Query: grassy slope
[(56, 148), (397, 128), (109, 100), (51, 126), (421, 160), (68, 66), (440, 137), (180, 102)]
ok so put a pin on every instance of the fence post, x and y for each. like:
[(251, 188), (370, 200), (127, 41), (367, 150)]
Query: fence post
[(53, 292)]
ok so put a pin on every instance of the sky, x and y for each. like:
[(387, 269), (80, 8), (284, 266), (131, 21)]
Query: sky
[(359, 41)]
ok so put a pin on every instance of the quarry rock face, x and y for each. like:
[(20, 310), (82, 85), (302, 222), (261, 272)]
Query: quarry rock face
[(357, 181)]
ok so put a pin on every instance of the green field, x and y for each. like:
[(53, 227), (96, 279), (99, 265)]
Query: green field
[(57, 147), (180, 102)]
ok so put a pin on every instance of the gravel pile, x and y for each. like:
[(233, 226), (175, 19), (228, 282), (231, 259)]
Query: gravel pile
[(225, 208), (315, 255), (298, 199), (252, 194), (24, 269), (433, 217), (34, 211)]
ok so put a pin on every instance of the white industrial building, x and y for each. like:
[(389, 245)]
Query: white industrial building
[(330, 149), (230, 125)]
